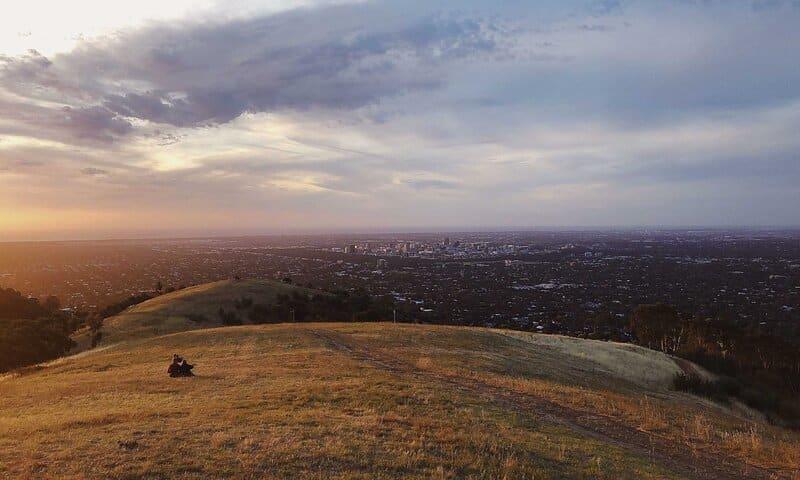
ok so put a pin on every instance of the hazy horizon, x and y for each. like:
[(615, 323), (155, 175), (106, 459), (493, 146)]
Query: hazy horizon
[(211, 118), (400, 230)]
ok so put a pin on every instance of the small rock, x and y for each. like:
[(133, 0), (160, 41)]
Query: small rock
[(128, 444)]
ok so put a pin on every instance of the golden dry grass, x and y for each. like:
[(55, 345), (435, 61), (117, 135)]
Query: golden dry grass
[(566, 372), (275, 402)]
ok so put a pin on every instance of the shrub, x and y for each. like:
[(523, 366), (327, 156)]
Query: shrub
[(244, 303), (720, 390), (229, 318), (773, 405), (119, 307), (25, 342)]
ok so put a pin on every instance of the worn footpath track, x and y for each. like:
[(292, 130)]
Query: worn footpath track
[(666, 452)]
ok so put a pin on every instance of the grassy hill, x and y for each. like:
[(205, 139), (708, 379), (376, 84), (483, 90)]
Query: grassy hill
[(366, 401), (190, 308)]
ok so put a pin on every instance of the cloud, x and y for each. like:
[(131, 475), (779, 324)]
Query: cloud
[(605, 7), (425, 184), (761, 5), (595, 28), (96, 123), (196, 75), (92, 171), (69, 124)]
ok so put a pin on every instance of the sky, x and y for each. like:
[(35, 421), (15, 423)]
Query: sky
[(204, 117)]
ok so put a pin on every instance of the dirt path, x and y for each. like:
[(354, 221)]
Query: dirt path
[(670, 454)]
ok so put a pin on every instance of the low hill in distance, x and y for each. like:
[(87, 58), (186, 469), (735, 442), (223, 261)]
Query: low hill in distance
[(366, 401), (192, 308)]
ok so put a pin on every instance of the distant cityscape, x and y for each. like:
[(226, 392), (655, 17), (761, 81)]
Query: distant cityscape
[(582, 283)]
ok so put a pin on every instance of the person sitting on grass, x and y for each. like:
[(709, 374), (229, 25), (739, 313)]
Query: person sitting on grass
[(180, 367), (186, 369)]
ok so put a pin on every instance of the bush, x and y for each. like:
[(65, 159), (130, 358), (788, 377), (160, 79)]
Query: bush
[(720, 390), (229, 318), (119, 307), (14, 305), (773, 405), (267, 314), (25, 342), (244, 303), (197, 318)]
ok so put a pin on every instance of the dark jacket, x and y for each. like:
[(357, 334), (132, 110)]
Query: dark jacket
[(174, 370)]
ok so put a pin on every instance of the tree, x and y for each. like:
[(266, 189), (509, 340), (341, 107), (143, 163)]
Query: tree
[(95, 323), (32, 331), (25, 341), (659, 327), (115, 308), (228, 318), (14, 305), (51, 304)]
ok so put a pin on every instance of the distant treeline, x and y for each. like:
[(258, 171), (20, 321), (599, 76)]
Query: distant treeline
[(118, 307), (32, 331), (337, 306), (762, 371)]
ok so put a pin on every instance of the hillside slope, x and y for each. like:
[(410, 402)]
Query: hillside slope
[(190, 308), (370, 401)]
